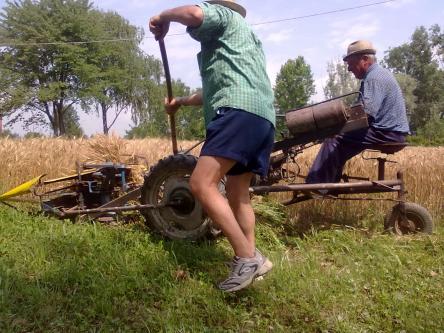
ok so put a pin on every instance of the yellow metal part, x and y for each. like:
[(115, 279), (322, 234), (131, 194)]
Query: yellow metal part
[(21, 189)]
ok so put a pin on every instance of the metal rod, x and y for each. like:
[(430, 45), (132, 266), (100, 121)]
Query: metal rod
[(194, 146), (170, 93), (381, 168), (9, 205), (109, 209), (323, 186)]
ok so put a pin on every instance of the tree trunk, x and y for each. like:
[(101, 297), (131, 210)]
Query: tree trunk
[(56, 121), (59, 127), (104, 118)]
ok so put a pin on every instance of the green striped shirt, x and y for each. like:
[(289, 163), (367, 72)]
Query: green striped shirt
[(231, 64)]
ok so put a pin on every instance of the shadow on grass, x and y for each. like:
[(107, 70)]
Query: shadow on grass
[(202, 259)]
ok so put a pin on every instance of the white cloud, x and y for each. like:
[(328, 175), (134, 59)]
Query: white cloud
[(344, 32), (398, 3), (279, 36)]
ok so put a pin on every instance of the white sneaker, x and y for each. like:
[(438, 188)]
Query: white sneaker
[(244, 271)]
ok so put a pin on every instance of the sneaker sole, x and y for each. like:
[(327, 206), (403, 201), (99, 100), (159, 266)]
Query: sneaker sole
[(240, 286), (264, 269)]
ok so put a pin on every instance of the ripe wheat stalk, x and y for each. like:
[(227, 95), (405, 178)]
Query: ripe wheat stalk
[(24, 159)]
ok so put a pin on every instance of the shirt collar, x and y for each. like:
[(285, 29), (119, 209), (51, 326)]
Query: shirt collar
[(372, 67)]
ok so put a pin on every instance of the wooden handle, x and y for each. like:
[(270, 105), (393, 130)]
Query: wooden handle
[(170, 93)]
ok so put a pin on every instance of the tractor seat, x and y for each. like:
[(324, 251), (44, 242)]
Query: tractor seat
[(389, 148)]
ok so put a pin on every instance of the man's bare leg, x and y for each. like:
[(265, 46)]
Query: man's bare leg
[(238, 195), (204, 185)]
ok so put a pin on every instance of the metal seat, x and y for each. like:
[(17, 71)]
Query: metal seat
[(389, 148)]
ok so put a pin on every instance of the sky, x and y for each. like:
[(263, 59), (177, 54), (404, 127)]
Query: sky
[(304, 31)]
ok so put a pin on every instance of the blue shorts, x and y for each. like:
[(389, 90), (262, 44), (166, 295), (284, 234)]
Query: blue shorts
[(240, 136)]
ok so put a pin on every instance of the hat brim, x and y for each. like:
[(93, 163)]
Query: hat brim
[(366, 51), (232, 5)]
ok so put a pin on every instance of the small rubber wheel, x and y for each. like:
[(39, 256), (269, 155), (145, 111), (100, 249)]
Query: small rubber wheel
[(417, 220)]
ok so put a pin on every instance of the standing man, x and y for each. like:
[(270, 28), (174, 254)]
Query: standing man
[(384, 105), (239, 116)]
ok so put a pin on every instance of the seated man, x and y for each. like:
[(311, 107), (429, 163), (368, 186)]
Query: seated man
[(384, 105)]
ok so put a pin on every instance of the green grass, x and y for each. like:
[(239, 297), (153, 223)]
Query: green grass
[(60, 277)]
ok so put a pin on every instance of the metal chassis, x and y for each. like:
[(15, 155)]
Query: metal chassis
[(302, 191)]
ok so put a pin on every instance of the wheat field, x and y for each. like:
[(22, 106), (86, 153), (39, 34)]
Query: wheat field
[(24, 159)]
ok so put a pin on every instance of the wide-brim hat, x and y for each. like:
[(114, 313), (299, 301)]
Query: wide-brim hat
[(359, 47), (230, 4)]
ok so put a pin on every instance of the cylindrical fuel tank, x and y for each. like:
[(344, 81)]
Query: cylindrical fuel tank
[(316, 117)]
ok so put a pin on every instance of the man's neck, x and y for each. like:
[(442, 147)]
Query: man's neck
[(369, 69)]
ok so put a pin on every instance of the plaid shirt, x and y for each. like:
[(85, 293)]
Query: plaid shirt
[(231, 64), (383, 100)]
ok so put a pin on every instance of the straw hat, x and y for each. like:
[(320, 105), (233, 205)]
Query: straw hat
[(230, 4), (360, 47)]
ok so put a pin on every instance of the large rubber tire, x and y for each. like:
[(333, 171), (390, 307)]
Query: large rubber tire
[(167, 182), (418, 220)]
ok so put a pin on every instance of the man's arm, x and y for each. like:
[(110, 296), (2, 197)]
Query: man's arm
[(190, 16), (177, 102), (373, 97)]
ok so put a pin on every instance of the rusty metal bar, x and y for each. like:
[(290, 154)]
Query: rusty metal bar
[(120, 201), (401, 197), (381, 168), (326, 186)]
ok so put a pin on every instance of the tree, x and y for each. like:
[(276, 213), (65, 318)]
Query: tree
[(122, 72), (72, 124), (189, 119), (42, 73), (418, 59), (33, 135), (437, 39), (340, 81), (6, 133), (294, 87), (408, 85), (53, 63)]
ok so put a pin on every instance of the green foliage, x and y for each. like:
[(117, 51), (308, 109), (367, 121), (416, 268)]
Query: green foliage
[(43, 80), (340, 81), (294, 87), (431, 134), (61, 277), (72, 124), (40, 83), (33, 135), (408, 85), (122, 78), (437, 38), (6, 133), (189, 120), (421, 59)]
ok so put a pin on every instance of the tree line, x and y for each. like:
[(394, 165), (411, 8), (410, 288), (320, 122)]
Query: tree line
[(52, 66)]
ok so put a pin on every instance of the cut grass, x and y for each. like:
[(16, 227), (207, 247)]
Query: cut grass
[(60, 277)]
